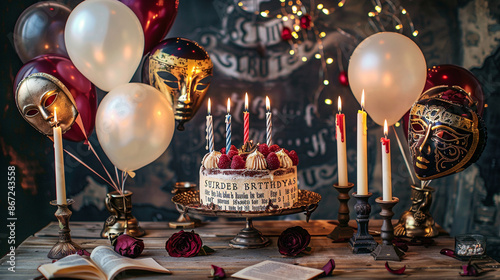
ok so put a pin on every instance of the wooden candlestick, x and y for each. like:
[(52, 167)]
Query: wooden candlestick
[(343, 231), (362, 242), (387, 251)]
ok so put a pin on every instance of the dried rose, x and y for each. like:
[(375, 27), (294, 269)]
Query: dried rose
[(128, 246), (395, 271), (328, 268), (184, 244), (217, 272), (293, 241), (470, 269)]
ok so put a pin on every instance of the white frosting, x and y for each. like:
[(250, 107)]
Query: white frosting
[(256, 161), (285, 160), (211, 160)]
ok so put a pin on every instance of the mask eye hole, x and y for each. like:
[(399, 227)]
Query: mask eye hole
[(417, 127), (169, 79), (445, 135), (49, 100), (31, 112), (204, 83)]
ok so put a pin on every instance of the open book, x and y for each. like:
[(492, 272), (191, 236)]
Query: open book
[(104, 263)]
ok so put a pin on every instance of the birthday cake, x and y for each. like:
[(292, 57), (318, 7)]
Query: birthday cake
[(253, 178)]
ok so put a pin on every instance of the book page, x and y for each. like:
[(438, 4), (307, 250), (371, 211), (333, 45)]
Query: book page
[(111, 263), (74, 266), (277, 271)]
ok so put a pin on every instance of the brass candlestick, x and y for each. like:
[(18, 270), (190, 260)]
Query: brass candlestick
[(343, 231), (417, 221), (64, 245), (387, 251), (362, 242)]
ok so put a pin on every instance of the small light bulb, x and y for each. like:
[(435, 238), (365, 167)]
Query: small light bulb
[(291, 52), (378, 9), (399, 26), (326, 11), (279, 16), (341, 4), (240, 4), (263, 14), (371, 14), (403, 12), (295, 35), (299, 13), (328, 101), (415, 33), (397, 124), (297, 28), (326, 82), (317, 56), (329, 60), (285, 18), (304, 58), (320, 6), (322, 34)]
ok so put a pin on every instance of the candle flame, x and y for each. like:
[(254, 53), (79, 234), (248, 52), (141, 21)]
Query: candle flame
[(363, 100), (340, 105), (385, 128), (246, 101), (228, 105), (268, 104), (209, 105)]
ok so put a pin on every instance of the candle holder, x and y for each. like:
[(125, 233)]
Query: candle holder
[(362, 242), (418, 221), (343, 231), (64, 245), (387, 251)]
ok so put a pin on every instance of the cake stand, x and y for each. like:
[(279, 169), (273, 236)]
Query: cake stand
[(249, 237)]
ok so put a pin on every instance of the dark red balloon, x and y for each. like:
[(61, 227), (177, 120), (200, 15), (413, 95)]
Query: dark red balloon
[(286, 34), (452, 75), (156, 17), (343, 78), (82, 90)]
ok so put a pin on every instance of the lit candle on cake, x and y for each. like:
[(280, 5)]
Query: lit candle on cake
[(341, 146), (59, 162), (246, 120), (228, 126), (386, 165), (362, 159), (269, 123), (210, 129)]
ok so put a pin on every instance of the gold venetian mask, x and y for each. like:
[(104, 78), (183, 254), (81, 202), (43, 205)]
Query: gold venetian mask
[(38, 96), (445, 135), (182, 70)]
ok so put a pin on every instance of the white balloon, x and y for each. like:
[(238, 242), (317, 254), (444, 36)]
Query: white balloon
[(391, 69), (134, 125), (105, 41)]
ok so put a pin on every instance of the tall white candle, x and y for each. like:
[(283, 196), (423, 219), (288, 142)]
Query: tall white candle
[(341, 146), (59, 162), (362, 159), (210, 129), (269, 123), (386, 165)]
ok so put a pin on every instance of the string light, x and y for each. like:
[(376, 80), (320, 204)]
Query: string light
[(320, 6), (285, 18), (291, 52), (317, 56), (304, 58), (403, 11), (326, 82), (322, 35), (328, 101), (415, 33), (398, 27), (326, 11), (329, 60), (378, 9), (297, 28)]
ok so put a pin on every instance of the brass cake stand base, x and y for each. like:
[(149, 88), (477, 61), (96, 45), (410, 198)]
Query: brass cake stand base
[(249, 237)]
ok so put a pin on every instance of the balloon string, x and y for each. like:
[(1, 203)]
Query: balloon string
[(117, 178), (110, 178), (404, 156), (82, 163)]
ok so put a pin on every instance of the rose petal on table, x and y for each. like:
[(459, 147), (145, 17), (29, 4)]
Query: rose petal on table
[(217, 272), (83, 252), (470, 270), (448, 252), (328, 268), (395, 271)]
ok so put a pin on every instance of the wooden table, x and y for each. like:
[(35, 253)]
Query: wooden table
[(420, 262)]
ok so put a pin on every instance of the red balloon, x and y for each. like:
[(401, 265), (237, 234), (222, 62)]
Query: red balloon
[(156, 17), (82, 90), (452, 75), (286, 34), (343, 78)]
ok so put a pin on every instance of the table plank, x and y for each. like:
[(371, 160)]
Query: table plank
[(421, 262)]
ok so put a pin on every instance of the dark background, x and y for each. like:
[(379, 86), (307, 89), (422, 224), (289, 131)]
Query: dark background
[(464, 33)]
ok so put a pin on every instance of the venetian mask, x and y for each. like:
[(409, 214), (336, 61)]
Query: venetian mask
[(445, 134), (39, 96), (181, 69)]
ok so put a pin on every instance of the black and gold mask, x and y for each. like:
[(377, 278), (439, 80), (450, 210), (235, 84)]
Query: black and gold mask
[(445, 134), (182, 70)]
